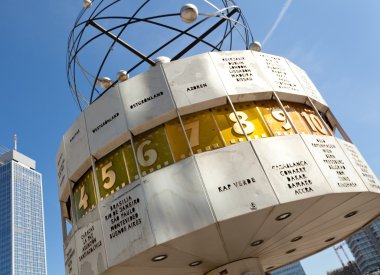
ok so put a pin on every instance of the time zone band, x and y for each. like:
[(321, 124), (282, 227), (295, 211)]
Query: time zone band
[(192, 134)]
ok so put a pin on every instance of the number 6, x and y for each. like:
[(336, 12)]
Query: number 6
[(150, 154)]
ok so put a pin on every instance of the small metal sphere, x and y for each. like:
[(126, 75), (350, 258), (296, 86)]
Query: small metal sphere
[(87, 3), (255, 46), (189, 13), (122, 76), (104, 82), (162, 60)]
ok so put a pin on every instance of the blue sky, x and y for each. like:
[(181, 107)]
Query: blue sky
[(336, 42)]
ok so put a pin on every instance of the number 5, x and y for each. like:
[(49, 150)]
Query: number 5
[(108, 176)]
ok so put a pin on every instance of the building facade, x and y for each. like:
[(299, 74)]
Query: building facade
[(22, 231), (292, 269), (365, 246)]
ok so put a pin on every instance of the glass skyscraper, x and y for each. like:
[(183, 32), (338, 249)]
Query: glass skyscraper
[(22, 232), (292, 269), (365, 246)]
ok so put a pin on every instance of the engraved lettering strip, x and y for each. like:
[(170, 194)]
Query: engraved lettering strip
[(290, 167), (281, 77), (90, 248), (306, 83), (195, 83), (125, 224), (361, 166), (240, 74), (334, 164)]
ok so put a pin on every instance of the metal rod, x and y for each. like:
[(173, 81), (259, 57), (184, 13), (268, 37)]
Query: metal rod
[(338, 126), (308, 99), (194, 43), (285, 112), (121, 42)]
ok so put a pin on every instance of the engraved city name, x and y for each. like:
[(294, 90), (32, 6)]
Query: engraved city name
[(75, 135), (237, 184), (333, 163), (145, 100), (90, 243), (238, 68), (295, 175), (362, 168), (280, 73), (123, 216), (196, 87), (104, 123)]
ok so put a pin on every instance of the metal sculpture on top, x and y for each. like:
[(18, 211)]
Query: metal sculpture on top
[(131, 35)]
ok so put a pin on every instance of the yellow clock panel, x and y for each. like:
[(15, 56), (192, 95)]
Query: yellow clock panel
[(112, 173), (152, 150), (84, 194), (201, 130), (275, 118), (247, 120), (311, 121), (130, 161)]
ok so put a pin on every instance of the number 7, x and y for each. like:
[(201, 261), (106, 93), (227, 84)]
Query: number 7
[(194, 132)]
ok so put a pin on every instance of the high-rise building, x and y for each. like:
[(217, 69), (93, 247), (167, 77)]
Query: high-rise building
[(22, 233), (365, 246), (292, 269)]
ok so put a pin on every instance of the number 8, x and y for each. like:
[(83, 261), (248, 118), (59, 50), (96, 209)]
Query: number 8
[(248, 127)]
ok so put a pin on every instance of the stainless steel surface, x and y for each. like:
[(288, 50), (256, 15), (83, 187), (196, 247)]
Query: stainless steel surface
[(290, 167), (126, 226), (271, 226), (71, 258), (61, 168), (205, 244), (281, 77), (240, 74), (360, 165), (147, 101), (250, 266), (77, 149), (235, 181), (300, 226), (195, 84), (176, 201), (90, 249), (308, 86), (106, 126), (334, 164)]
